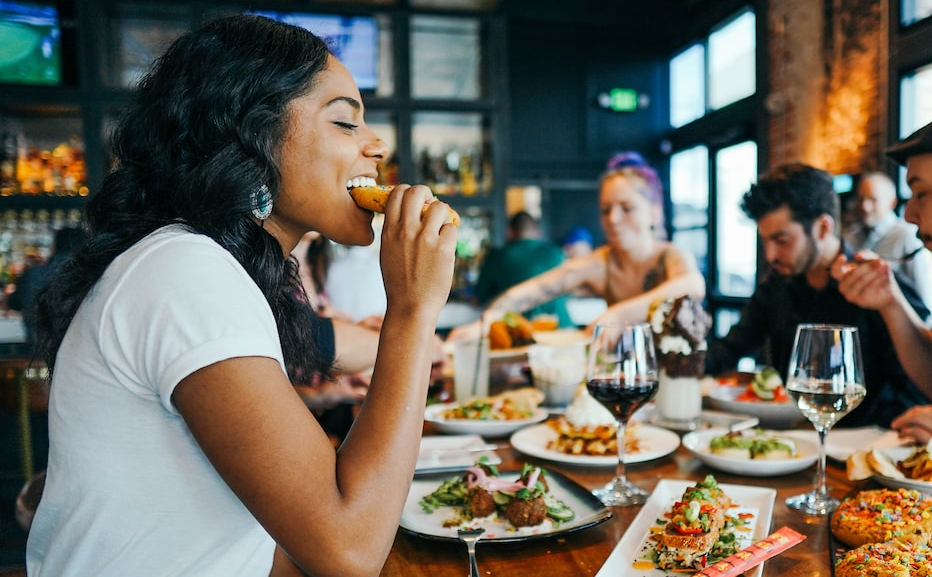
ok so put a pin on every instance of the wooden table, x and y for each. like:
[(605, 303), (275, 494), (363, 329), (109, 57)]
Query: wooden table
[(582, 553)]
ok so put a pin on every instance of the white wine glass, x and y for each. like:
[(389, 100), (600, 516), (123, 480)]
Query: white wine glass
[(826, 380), (622, 375)]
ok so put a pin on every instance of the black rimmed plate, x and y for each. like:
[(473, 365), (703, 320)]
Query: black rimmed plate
[(589, 512)]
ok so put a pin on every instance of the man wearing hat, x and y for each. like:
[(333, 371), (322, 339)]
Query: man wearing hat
[(868, 282)]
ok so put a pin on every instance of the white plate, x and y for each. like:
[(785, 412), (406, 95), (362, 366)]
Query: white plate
[(634, 544), (841, 443), (653, 442), (486, 428), (775, 415), (898, 454), (807, 453), (589, 511), (451, 453)]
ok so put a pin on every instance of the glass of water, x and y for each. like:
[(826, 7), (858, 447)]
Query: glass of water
[(826, 380)]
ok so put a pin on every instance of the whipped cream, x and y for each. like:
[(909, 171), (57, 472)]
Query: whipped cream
[(585, 411)]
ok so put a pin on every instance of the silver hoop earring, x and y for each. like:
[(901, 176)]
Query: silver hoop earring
[(262, 202)]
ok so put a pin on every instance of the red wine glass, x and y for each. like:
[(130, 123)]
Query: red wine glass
[(622, 376)]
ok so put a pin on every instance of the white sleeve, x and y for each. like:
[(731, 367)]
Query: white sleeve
[(179, 306)]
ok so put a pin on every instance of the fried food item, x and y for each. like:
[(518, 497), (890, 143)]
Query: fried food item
[(374, 198), (917, 466), (526, 512), (513, 330)]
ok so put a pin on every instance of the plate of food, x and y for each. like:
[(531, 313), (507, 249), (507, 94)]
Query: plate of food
[(552, 441), (663, 541), (488, 416), (906, 467), (509, 505), (754, 452), (764, 397)]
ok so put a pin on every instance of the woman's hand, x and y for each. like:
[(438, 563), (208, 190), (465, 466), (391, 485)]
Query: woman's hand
[(417, 253)]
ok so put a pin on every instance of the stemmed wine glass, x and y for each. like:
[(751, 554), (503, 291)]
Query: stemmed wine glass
[(622, 375), (826, 379)]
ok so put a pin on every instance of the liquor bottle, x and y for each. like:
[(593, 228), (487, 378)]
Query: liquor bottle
[(8, 164)]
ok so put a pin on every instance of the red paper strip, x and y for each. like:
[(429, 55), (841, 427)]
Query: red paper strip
[(754, 555)]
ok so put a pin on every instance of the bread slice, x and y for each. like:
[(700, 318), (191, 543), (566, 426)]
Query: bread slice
[(857, 467), (882, 464)]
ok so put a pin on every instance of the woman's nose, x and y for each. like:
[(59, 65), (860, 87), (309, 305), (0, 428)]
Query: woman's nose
[(376, 148)]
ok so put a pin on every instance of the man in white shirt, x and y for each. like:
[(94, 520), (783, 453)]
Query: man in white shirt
[(883, 232)]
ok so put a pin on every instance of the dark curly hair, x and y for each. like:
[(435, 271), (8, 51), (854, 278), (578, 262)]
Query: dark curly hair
[(806, 191), (204, 130)]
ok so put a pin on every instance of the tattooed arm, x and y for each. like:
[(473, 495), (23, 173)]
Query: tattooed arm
[(569, 276), (682, 277), (573, 274)]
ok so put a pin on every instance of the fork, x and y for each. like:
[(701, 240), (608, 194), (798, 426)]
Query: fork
[(470, 537)]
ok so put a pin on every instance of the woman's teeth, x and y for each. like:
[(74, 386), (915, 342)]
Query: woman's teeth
[(360, 181)]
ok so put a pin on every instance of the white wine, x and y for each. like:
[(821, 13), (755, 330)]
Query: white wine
[(822, 402)]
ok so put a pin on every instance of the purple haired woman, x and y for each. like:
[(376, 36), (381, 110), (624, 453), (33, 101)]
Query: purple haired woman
[(636, 265)]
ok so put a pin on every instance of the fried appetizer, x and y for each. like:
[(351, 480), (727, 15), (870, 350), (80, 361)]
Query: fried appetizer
[(370, 196)]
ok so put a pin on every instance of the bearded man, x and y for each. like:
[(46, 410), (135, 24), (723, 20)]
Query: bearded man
[(796, 210)]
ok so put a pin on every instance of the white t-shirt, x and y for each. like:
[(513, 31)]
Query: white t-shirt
[(129, 491), (354, 284)]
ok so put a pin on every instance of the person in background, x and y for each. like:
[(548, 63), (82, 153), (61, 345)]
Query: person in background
[(795, 207), (577, 242), (633, 270), (525, 255), (353, 284), (882, 232), (870, 282), (178, 443), (33, 278)]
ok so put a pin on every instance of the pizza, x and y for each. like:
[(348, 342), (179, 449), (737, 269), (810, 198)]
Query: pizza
[(890, 559), (881, 515)]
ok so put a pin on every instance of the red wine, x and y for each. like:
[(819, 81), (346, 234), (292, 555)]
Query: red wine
[(621, 399)]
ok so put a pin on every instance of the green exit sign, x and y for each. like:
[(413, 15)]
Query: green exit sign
[(623, 99)]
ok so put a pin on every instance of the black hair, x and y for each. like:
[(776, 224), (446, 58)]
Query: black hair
[(318, 258), (203, 132), (522, 222), (806, 191)]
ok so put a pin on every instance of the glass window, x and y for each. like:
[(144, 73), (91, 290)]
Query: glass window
[(724, 320), (689, 195), (732, 66), (139, 42), (736, 234), (915, 110), (687, 86), (452, 152), (445, 57), (915, 104), (912, 11)]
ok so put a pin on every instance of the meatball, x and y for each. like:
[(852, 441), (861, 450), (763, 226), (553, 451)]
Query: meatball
[(480, 502), (526, 513)]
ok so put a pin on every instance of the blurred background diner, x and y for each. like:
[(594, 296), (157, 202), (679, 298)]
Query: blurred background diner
[(506, 108)]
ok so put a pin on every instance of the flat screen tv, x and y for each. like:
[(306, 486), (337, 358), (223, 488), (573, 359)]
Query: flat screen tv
[(30, 43), (352, 39)]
